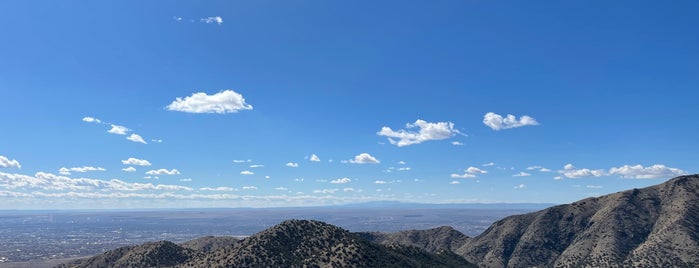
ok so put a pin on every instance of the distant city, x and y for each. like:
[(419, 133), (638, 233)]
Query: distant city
[(30, 236)]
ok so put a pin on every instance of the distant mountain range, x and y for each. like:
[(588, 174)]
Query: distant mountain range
[(656, 226)]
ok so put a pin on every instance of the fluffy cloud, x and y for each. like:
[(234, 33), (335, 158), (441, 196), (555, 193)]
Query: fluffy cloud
[(427, 131), (292, 164), (470, 172), (497, 122), (136, 138), (135, 162), (246, 172), (7, 163), (522, 174), (227, 101), (341, 181), (129, 169), (48, 181), (364, 158), (475, 170), (651, 172), (314, 158), (570, 171), (91, 120), (457, 143), (67, 171), (209, 20), (119, 130), (163, 171)]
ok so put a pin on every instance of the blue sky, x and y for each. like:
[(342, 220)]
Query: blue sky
[(145, 104)]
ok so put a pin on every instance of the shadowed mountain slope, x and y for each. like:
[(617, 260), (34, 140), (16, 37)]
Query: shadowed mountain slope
[(152, 254), (432, 240), (651, 227)]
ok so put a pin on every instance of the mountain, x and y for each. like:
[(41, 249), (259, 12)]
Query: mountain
[(303, 243), (209, 243), (656, 226), (152, 254), (435, 240)]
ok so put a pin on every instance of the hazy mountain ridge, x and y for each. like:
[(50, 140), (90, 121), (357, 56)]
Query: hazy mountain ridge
[(657, 226)]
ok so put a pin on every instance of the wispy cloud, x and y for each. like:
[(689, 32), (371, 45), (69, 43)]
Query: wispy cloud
[(242, 161), (326, 191), (227, 101), (522, 174), (249, 187), (257, 166), (135, 162), (363, 158), (454, 182), (246, 172), (217, 189), (521, 186), (209, 20), (457, 143), (426, 131), (489, 164), (7, 163), (497, 122), (163, 171)]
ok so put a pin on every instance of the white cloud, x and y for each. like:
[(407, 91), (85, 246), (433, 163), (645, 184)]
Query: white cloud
[(281, 188), (267, 177), (314, 158), (497, 122), (158, 140), (651, 172), (489, 164), (534, 167), (522, 174), (246, 172), (521, 186), (364, 158), (151, 177), (91, 120), (540, 168), (348, 190), (326, 191), (341, 181), (209, 20), (594, 186), (186, 180), (558, 178), (163, 171), (129, 169), (7, 163), (427, 131), (475, 170), (249, 187), (136, 138), (463, 176), (457, 143), (48, 181), (135, 162), (545, 170), (227, 101), (218, 189), (401, 163), (454, 182), (292, 164), (67, 171), (176, 18), (242, 161), (256, 166), (570, 171), (380, 182), (120, 130)]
